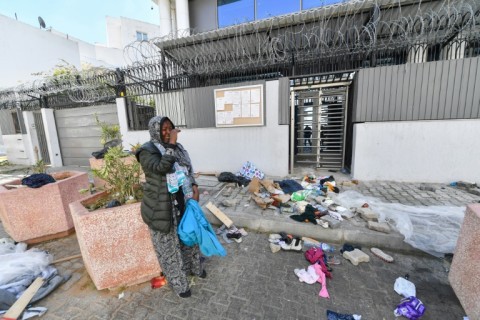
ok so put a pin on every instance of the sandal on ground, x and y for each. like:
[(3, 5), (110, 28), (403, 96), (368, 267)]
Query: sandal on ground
[(382, 255)]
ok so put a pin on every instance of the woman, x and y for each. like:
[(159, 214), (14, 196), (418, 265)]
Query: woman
[(169, 182)]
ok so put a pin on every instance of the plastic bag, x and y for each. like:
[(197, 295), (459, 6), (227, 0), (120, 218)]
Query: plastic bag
[(433, 229), (31, 262), (410, 308), (300, 195), (404, 287)]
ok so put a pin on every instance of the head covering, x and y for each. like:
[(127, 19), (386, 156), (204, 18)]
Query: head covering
[(155, 129)]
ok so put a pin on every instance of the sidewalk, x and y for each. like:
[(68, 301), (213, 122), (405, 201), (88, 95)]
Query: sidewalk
[(254, 283)]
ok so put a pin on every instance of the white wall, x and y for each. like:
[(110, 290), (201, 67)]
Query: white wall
[(26, 50), (123, 31), (417, 151), (227, 149), (16, 150)]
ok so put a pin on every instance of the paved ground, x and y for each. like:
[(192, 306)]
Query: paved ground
[(254, 283)]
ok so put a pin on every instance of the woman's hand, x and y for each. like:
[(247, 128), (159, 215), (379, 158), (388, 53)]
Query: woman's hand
[(173, 136), (196, 194)]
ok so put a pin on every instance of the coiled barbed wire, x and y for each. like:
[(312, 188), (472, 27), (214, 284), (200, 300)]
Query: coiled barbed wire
[(340, 30)]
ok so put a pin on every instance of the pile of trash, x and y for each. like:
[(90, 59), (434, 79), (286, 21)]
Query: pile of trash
[(19, 269)]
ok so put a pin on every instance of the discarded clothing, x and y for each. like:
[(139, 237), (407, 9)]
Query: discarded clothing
[(290, 186), (37, 180), (30, 312), (331, 315), (322, 280), (195, 229), (306, 216), (230, 177)]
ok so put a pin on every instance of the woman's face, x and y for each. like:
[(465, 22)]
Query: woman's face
[(166, 128)]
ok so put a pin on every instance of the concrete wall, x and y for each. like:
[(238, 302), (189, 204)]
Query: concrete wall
[(203, 15), (227, 149), (27, 50), (123, 31), (417, 151), (17, 150)]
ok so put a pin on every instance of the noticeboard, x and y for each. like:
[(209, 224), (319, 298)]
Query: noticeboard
[(239, 106)]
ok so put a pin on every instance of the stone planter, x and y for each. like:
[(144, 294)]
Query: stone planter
[(98, 164), (34, 215), (115, 243), (464, 275)]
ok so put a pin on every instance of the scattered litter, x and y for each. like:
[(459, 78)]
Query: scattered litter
[(331, 315), (121, 295), (382, 255), (356, 256), (158, 282), (433, 229), (404, 287), (410, 308)]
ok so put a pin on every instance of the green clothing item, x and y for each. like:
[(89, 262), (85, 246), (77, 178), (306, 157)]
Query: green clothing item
[(157, 202)]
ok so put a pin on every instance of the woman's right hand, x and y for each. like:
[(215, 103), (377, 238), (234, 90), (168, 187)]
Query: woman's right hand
[(174, 136)]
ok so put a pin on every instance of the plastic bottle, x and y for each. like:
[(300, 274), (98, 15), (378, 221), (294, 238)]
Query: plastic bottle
[(326, 247)]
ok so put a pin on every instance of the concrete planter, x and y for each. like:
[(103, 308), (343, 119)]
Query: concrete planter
[(34, 215), (115, 243), (464, 273)]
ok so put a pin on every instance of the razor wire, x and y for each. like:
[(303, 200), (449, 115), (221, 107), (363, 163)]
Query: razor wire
[(332, 31), (330, 34)]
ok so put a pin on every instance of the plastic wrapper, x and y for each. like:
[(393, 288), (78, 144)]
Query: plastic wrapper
[(16, 265), (433, 229)]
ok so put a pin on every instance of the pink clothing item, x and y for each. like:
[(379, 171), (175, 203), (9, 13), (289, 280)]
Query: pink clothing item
[(306, 276), (322, 280)]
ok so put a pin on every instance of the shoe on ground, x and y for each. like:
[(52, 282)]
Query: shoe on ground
[(185, 294), (203, 275)]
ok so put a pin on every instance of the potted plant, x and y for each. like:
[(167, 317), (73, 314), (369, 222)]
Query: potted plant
[(110, 135), (34, 215), (115, 242)]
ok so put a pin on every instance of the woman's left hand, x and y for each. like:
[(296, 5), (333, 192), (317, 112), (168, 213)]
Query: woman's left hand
[(196, 194)]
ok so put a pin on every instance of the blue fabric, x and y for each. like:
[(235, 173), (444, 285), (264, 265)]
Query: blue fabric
[(290, 186), (195, 229)]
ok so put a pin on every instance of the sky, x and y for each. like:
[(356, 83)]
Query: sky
[(82, 19)]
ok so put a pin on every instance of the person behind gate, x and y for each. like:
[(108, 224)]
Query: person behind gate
[(169, 183)]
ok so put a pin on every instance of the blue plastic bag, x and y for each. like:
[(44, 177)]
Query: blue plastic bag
[(194, 229)]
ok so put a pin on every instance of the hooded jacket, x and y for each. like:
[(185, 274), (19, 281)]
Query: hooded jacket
[(157, 202)]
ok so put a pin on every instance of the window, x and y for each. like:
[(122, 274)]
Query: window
[(232, 12), (272, 8), (309, 4), (141, 36)]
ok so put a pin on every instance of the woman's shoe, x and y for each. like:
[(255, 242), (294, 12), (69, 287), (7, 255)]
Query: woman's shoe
[(185, 294), (203, 275)]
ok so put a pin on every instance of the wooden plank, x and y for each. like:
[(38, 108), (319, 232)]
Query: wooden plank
[(473, 82), (219, 214), (17, 308), (86, 121), (76, 256)]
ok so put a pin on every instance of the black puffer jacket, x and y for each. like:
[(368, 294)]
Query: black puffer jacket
[(157, 202)]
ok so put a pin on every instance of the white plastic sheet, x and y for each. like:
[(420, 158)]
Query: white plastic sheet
[(15, 265), (433, 229)]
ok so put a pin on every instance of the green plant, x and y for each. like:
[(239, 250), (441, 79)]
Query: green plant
[(135, 147), (109, 131), (39, 167), (122, 177)]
